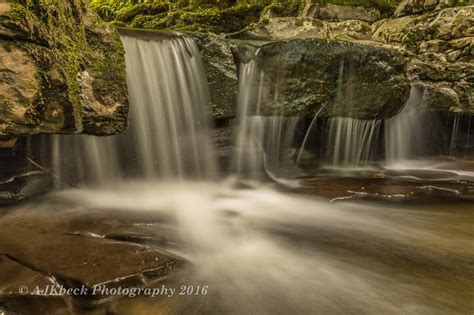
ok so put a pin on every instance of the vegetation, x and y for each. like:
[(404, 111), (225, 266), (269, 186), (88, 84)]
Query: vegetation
[(218, 16)]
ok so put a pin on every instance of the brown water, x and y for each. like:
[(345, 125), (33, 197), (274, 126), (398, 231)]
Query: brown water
[(262, 251)]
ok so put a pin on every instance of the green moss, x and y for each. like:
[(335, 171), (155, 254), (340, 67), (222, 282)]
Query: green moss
[(216, 16), (127, 14), (65, 41)]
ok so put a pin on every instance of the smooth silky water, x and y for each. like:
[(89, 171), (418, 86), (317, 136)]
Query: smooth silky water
[(259, 246)]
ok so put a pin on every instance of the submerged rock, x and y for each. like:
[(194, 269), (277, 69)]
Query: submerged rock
[(62, 70), (349, 79)]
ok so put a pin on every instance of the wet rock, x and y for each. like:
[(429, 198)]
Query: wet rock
[(353, 80), (221, 73), (73, 249), (51, 249), (61, 70), (18, 177)]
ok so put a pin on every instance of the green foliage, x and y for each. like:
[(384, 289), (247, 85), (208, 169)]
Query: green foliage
[(218, 16), (108, 9)]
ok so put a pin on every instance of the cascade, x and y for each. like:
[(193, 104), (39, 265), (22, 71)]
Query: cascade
[(346, 142), (262, 142), (460, 140), (408, 134), (168, 133), (350, 142)]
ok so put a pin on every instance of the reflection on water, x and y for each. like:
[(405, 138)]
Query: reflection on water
[(262, 251)]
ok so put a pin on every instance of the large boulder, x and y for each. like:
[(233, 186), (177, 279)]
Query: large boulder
[(348, 79), (62, 70)]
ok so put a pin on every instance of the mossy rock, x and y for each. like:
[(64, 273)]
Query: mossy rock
[(302, 77), (76, 65)]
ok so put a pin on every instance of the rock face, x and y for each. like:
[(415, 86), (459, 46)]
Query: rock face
[(62, 70), (221, 73), (409, 7), (448, 87), (302, 76), (446, 35)]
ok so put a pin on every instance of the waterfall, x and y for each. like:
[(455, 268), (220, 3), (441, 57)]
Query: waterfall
[(410, 134), (460, 140), (263, 143), (403, 133), (351, 142), (168, 133)]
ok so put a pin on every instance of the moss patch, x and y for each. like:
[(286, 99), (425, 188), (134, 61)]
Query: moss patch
[(216, 16), (65, 39)]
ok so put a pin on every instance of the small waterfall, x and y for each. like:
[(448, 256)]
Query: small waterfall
[(405, 134), (351, 142), (262, 142), (461, 138), (411, 133), (168, 134)]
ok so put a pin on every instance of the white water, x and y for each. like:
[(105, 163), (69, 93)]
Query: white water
[(264, 252), (351, 142), (408, 134), (167, 137)]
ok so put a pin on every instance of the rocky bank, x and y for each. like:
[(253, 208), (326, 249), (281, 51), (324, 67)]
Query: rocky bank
[(62, 70)]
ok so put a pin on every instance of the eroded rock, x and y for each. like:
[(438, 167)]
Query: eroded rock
[(46, 47)]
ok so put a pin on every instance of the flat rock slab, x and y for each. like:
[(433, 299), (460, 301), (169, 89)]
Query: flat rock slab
[(76, 249)]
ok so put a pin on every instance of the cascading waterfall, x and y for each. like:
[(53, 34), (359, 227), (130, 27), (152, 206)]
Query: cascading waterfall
[(408, 134), (262, 142), (168, 134), (351, 142), (461, 138), (348, 142)]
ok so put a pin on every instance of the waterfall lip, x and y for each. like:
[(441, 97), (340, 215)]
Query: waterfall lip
[(149, 34)]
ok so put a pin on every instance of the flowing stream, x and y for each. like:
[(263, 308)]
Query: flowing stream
[(259, 249)]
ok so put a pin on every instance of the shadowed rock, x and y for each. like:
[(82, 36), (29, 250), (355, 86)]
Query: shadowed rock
[(354, 80)]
